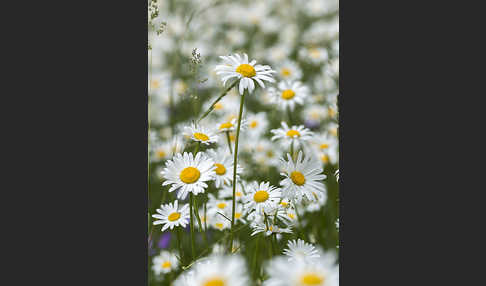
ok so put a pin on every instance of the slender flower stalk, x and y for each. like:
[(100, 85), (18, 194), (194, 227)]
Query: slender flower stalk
[(193, 247), (217, 100), (229, 141), (234, 169)]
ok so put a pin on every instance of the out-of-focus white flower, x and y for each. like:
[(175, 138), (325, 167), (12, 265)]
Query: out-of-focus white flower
[(216, 270), (319, 272), (289, 94), (165, 262), (300, 250)]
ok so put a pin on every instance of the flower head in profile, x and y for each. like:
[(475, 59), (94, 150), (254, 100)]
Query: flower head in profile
[(172, 215), (289, 94), (187, 173), (303, 178), (247, 73), (201, 134), (165, 262), (288, 135), (300, 250)]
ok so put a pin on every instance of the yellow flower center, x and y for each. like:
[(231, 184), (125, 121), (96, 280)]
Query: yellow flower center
[(285, 72), (218, 106), (226, 125), (155, 84), (221, 205), (333, 131), (291, 215), (166, 264), (246, 70), (270, 153), (293, 133), (315, 53), (298, 178), (161, 154), (237, 215), (219, 225), (260, 196), (232, 137), (288, 94), (189, 175), (324, 146), (220, 169), (174, 216), (314, 115), (253, 124), (214, 282), (238, 194), (201, 136), (311, 279), (325, 158), (285, 204)]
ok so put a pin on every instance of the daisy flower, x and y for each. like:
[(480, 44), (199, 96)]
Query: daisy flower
[(325, 147), (300, 250), (289, 94), (314, 55), (224, 167), (318, 203), (172, 215), (201, 134), (314, 114), (269, 228), (227, 192), (264, 152), (301, 273), (246, 72), (262, 197), (167, 149), (219, 222), (288, 135), (165, 262), (257, 124), (216, 270), (302, 178), (187, 173), (289, 70), (230, 125), (215, 205)]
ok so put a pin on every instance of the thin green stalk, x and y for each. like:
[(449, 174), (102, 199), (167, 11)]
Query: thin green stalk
[(289, 113), (235, 161), (228, 139), (179, 243), (193, 247), (254, 263), (196, 213), (217, 100)]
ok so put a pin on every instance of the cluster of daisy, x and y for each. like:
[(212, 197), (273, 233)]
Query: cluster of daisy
[(241, 148)]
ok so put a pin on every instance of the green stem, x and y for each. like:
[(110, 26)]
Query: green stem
[(229, 141), (254, 263), (234, 169), (217, 100), (179, 243), (289, 113), (193, 248)]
